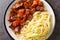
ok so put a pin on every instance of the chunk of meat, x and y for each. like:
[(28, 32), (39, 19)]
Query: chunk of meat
[(30, 2), (35, 2), (10, 25), (22, 22), (12, 17), (15, 23), (33, 10), (17, 5), (20, 12), (14, 6), (30, 17), (23, 17), (40, 3), (27, 11), (17, 30), (39, 8), (26, 5), (13, 10), (12, 13), (23, 0)]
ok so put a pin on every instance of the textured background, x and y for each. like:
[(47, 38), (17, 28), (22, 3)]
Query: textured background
[(54, 3)]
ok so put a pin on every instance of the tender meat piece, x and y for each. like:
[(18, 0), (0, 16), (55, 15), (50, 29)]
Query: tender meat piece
[(24, 17), (23, 0), (27, 11), (33, 10), (30, 17), (35, 2), (42, 8), (20, 12), (30, 2), (26, 5), (17, 5), (10, 15), (17, 30), (15, 23), (39, 8), (21, 18), (11, 26), (22, 22), (14, 10), (40, 3), (11, 19)]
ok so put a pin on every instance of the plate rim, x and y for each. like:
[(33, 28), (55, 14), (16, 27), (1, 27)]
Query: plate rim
[(5, 17)]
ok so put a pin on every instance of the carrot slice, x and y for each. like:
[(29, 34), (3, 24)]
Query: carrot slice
[(15, 23), (20, 12)]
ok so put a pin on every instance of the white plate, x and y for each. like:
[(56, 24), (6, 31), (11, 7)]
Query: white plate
[(48, 7)]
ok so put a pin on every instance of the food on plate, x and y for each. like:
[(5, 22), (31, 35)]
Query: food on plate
[(29, 20)]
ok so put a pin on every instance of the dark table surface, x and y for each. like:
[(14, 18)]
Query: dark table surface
[(54, 3)]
